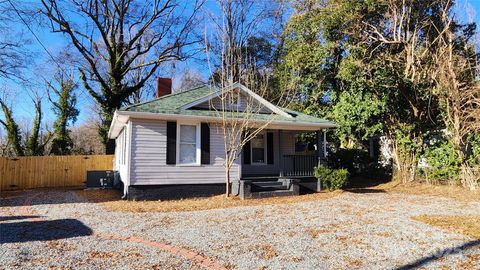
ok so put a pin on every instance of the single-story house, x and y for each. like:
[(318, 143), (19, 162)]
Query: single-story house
[(176, 139)]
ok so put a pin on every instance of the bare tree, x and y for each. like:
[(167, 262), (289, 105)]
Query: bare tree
[(85, 138), (189, 79), (457, 86), (111, 35), (135, 77), (404, 36), (12, 51), (239, 107)]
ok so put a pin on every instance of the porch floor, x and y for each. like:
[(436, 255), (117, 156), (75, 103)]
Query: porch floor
[(274, 177)]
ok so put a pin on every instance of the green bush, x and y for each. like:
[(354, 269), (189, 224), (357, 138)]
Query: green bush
[(331, 178), (441, 161)]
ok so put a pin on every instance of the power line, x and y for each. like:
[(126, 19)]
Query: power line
[(42, 45), (33, 33)]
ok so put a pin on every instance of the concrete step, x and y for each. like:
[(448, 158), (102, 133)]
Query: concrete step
[(268, 183), (268, 186), (276, 193)]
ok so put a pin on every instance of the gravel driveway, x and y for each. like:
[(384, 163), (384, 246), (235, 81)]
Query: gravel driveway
[(58, 229)]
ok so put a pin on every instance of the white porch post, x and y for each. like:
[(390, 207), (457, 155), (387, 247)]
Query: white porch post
[(325, 143), (319, 147), (280, 154)]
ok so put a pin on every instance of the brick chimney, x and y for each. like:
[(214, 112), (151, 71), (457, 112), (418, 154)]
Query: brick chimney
[(164, 87)]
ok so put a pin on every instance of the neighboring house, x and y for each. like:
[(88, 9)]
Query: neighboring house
[(176, 139)]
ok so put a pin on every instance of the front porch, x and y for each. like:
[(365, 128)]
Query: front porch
[(275, 163)]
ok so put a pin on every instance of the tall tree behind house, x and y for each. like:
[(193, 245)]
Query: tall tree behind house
[(63, 99), (35, 140), (112, 35), (377, 59), (233, 47)]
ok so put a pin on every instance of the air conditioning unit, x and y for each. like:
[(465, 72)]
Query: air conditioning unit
[(100, 179)]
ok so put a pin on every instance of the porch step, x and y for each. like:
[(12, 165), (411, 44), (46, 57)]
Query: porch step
[(275, 193), (268, 186), (268, 183)]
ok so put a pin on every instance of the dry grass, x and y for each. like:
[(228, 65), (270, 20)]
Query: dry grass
[(110, 199), (295, 259), (467, 225), (454, 192), (312, 232), (267, 251)]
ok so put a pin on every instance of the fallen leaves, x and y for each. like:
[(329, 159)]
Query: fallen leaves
[(312, 232), (111, 200), (467, 225), (454, 192), (267, 251)]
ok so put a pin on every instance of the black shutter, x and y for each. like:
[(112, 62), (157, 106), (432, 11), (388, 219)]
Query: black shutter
[(171, 142), (247, 155), (205, 143), (270, 156)]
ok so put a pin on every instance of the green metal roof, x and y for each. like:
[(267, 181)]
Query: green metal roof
[(173, 103)]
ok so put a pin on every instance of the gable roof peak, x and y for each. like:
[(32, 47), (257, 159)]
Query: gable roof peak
[(244, 89)]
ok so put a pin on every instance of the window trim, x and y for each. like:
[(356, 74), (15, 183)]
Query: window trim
[(124, 147), (264, 150), (197, 144), (121, 148)]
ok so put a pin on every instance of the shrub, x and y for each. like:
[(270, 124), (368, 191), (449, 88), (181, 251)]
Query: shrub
[(441, 161), (331, 178)]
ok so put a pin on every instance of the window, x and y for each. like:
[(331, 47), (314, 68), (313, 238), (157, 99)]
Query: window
[(258, 149), (305, 142), (188, 148)]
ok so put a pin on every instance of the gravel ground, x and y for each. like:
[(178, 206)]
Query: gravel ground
[(349, 231)]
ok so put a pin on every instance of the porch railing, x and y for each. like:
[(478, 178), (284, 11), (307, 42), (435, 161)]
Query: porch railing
[(299, 165)]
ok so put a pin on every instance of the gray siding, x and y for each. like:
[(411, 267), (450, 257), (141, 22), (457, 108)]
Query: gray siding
[(148, 163), (255, 106), (288, 147)]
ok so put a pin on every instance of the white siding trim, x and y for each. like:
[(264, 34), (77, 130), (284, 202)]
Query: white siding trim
[(129, 151), (265, 150), (125, 116)]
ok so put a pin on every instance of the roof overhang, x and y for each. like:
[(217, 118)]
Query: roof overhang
[(121, 118)]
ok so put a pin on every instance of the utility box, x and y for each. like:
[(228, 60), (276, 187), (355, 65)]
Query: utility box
[(100, 179)]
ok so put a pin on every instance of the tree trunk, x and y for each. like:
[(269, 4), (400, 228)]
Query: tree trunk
[(404, 164), (107, 117), (470, 177), (227, 182)]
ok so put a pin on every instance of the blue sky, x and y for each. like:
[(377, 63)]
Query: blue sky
[(20, 97), (39, 69)]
